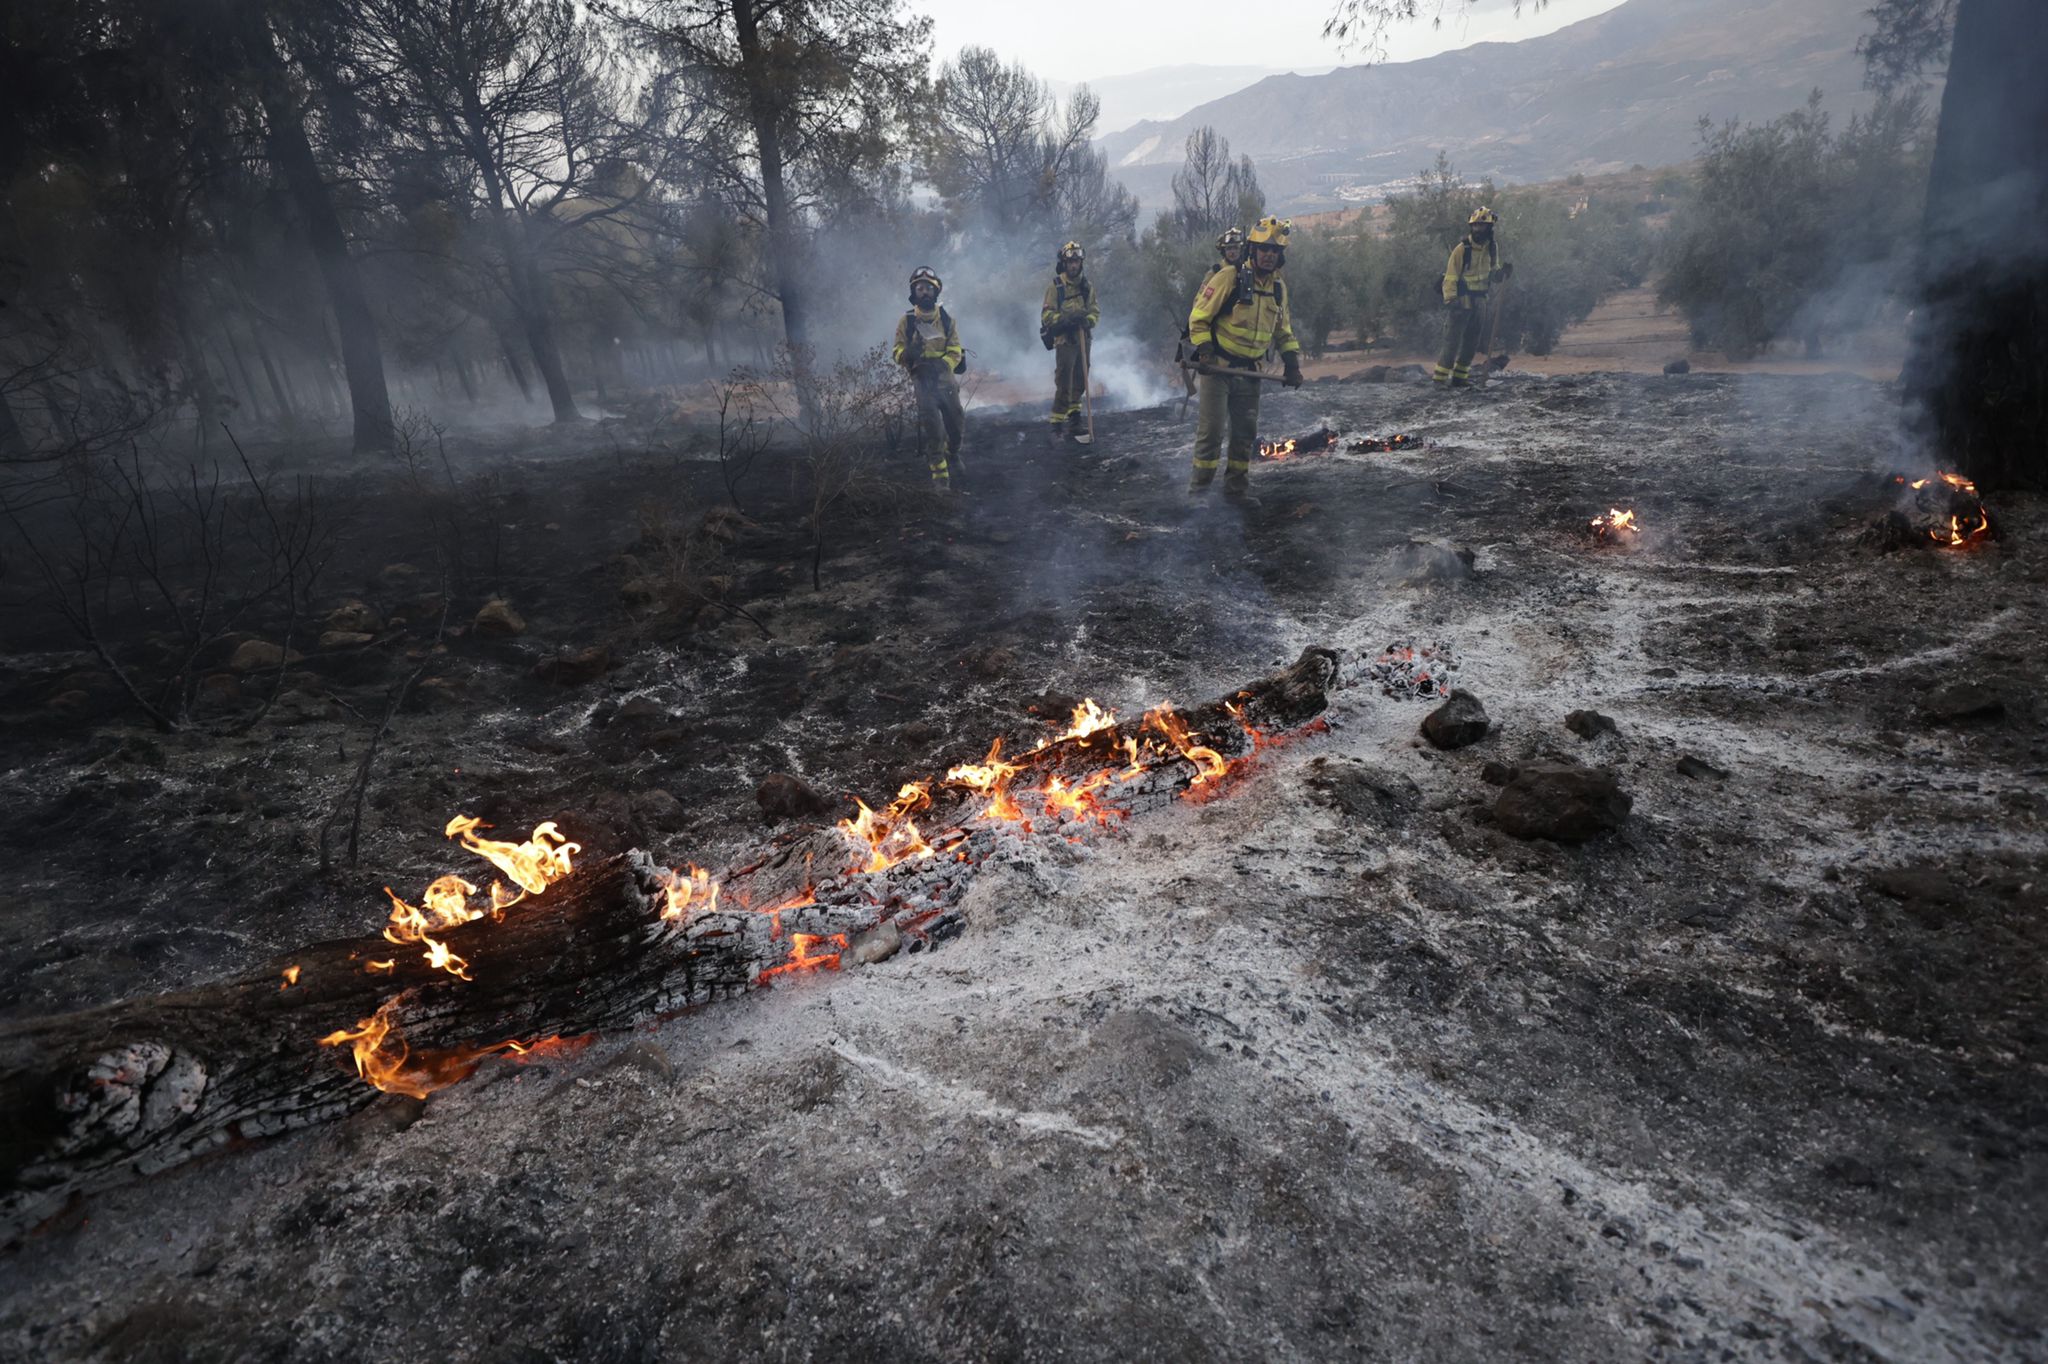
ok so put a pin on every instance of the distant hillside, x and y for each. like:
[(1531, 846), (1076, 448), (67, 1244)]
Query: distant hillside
[(1164, 91), (1627, 87)]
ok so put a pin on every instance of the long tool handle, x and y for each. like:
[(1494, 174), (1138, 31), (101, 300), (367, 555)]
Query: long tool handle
[(1088, 380), (1222, 373)]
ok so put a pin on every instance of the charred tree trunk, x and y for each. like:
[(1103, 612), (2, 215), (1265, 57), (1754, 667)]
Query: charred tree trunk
[(285, 136), (1979, 364), (13, 443), (513, 363), (249, 389), (92, 1100), (757, 72)]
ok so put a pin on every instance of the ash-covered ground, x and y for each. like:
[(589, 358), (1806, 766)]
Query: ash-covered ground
[(1331, 1066)]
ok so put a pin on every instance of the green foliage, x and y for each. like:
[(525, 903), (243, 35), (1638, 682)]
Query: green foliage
[(1386, 287), (1794, 232)]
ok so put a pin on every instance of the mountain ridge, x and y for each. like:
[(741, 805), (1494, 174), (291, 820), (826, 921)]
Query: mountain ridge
[(1625, 87)]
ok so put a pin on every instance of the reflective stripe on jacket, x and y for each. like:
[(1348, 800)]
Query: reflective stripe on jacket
[(1071, 301), (1245, 330), (1469, 272), (927, 336)]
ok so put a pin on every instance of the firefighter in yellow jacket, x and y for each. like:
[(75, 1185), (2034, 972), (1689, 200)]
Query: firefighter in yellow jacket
[(928, 347), (1238, 316), (1469, 276), (1067, 325)]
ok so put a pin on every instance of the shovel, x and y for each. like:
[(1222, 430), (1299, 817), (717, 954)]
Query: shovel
[(1087, 389)]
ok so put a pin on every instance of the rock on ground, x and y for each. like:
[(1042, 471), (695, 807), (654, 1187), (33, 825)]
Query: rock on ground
[(1561, 801), (1460, 721)]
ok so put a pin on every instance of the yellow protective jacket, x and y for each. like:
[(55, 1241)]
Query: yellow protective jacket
[(1071, 301), (1469, 272), (1244, 330), (924, 336)]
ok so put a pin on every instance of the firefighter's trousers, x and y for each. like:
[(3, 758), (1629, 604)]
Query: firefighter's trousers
[(1069, 377), (1229, 407), (1461, 338), (940, 421)]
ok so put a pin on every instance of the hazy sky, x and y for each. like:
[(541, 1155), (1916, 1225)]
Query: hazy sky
[(1067, 41)]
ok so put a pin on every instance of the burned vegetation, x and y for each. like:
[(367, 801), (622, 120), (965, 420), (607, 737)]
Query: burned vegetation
[(1561, 884)]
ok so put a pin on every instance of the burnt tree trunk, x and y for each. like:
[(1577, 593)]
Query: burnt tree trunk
[(96, 1099), (362, 357), (1979, 363), (764, 112)]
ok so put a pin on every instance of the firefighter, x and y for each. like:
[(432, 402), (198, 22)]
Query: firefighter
[(928, 348), (1066, 324), (1229, 255), (1474, 268), (1238, 316), (1229, 249)]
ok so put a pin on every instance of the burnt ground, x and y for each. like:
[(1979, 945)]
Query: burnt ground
[(1328, 1067)]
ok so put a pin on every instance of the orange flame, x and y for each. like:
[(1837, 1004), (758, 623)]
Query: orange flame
[(372, 968), (686, 889), (1089, 720), (1961, 533), (1209, 764), (891, 836), (1078, 798), (1615, 523), (291, 977), (543, 859), (387, 1063), (556, 1045), (991, 778), (803, 955)]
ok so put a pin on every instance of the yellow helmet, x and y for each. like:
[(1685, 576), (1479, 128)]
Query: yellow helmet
[(1071, 251), (924, 274), (1271, 232), (1483, 215)]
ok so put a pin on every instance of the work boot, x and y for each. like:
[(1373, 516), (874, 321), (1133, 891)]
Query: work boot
[(1198, 486), (1239, 491)]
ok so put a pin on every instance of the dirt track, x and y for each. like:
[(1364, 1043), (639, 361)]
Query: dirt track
[(1329, 1067)]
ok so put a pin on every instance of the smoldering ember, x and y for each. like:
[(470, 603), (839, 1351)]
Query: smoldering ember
[(1286, 760)]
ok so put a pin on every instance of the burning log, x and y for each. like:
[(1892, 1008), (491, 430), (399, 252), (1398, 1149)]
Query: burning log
[(1385, 445), (92, 1100)]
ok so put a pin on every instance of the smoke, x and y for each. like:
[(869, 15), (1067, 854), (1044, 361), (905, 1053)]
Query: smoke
[(994, 290)]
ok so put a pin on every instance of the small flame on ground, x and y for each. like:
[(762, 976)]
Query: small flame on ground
[(291, 977), (1966, 526), (373, 968), (1615, 524)]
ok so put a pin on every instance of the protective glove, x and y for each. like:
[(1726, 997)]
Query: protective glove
[(1291, 370), (960, 365), (1503, 274), (1204, 354), (1049, 336)]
